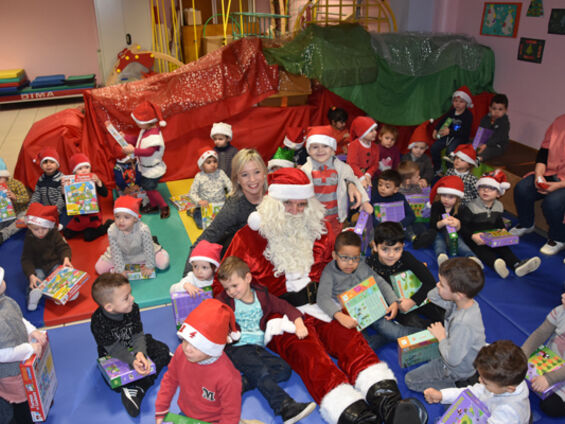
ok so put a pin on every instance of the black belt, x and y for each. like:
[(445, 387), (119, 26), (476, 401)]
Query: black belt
[(303, 297)]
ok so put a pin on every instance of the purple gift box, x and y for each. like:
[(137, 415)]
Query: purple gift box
[(542, 361), (481, 137), (183, 304), (467, 408), (499, 238), (364, 229), (393, 211), (118, 373)]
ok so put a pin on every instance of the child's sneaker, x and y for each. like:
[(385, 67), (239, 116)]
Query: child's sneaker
[(34, 298), (519, 231), (292, 412), (526, 266), (552, 247), (131, 399), (441, 258), (500, 268)]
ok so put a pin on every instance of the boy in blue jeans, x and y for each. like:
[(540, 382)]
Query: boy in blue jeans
[(253, 306), (462, 335)]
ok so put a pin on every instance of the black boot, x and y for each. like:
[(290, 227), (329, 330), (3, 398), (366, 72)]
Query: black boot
[(358, 413), (385, 400)]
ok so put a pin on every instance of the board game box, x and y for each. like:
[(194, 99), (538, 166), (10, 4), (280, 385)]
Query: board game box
[(364, 229), (180, 419), (452, 238), (499, 237), (117, 136), (7, 212), (542, 361), (481, 137), (405, 284), (182, 202), (364, 302), (417, 348), (183, 304), (393, 211), (467, 408), (209, 213), (418, 203), (134, 272), (118, 373), (63, 284), (40, 383), (80, 194)]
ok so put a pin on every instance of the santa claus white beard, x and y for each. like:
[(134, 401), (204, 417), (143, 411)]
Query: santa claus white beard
[(290, 238)]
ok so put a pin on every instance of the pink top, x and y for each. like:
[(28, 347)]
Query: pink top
[(554, 141)]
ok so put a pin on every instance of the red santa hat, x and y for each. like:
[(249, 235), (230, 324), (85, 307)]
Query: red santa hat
[(42, 216), (148, 113), (450, 184), (48, 153), (129, 205), (466, 153), (204, 154), (464, 93), (361, 126), (422, 134), (209, 327), (221, 128), (294, 138), (78, 160), (322, 134), (495, 179), (207, 252), (290, 184)]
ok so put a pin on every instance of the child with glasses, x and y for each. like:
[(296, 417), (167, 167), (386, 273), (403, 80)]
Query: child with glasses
[(345, 272)]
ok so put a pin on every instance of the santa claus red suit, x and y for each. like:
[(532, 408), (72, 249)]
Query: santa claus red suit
[(287, 245)]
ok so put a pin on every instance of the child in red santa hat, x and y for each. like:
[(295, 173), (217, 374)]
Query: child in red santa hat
[(90, 225), (363, 153), (485, 213), (131, 242), (205, 259), (210, 185), (419, 142), (44, 249), (210, 386), (149, 149), (464, 160)]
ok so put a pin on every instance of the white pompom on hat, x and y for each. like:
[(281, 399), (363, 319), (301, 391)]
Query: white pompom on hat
[(221, 128), (148, 113)]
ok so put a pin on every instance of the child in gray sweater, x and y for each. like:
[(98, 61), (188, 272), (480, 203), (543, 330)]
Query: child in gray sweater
[(345, 272), (462, 335)]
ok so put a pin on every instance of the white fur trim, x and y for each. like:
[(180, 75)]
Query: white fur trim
[(416, 142), (138, 122), (126, 210), (78, 165), (196, 339), (162, 123), (283, 163), (448, 190), (254, 220), (464, 96), (40, 222), (291, 144), (205, 156), (205, 259), (466, 158), (488, 182), (321, 139), (368, 131), (221, 128), (5, 173), (49, 158), (337, 400), (291, 191), (314, 311), (371, 375), (277, 326)]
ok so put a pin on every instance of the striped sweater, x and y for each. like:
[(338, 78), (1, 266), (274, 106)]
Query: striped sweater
[(48, 191)]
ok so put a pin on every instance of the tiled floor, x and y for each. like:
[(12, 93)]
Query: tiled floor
[(17, 119)]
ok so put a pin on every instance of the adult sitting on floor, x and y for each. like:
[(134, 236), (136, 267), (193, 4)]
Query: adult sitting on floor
[(287, 245), (547, 182)]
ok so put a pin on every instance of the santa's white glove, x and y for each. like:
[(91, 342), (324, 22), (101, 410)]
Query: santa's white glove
[(296, 281), (277, 326)]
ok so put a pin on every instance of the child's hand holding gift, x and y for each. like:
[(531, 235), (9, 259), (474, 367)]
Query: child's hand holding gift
[(141, 364)]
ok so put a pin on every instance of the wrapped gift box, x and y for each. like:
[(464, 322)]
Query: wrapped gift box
[(452, 238), (183, 304), (182, 202), (134, 272), (418, 204), (542, 361), (364, 229), (7, 212), (40, 383), (467, 408), (118, 373), (481, 137), (209, 213), (364, 302), (417, 348), (393, 211), (500, 237), (80, 194), (405, 284), (63, 284)]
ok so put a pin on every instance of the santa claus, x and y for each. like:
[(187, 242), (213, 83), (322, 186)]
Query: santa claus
[(287, 244)]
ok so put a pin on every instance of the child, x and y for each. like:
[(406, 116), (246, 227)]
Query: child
[(419, 142), (205, 259), (554, 327), (149, 149), (389, 155), (331, 177), (19, 339), (363, 154), (497, 121), (460, 280), (19, 197), (210, 184), (446, 197), (338, 121), (118, 331), (345, 272), (44, 249), (221, 134), (210, 386), (457, 128), (130, 242), (252, 305), (48, 189), (502, 367), (283, 158), (127, 177), (485, 213), (463, 163), (409, 177), (390, 259), (91, 225)]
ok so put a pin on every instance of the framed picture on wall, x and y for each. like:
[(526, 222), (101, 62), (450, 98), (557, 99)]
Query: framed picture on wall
[(556, 23), (531, 50), (501, 19)]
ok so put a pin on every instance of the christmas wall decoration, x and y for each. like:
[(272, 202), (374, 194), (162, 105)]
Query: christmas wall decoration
[(501, 19), (531, 50), (556, 23), (535, 9)]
